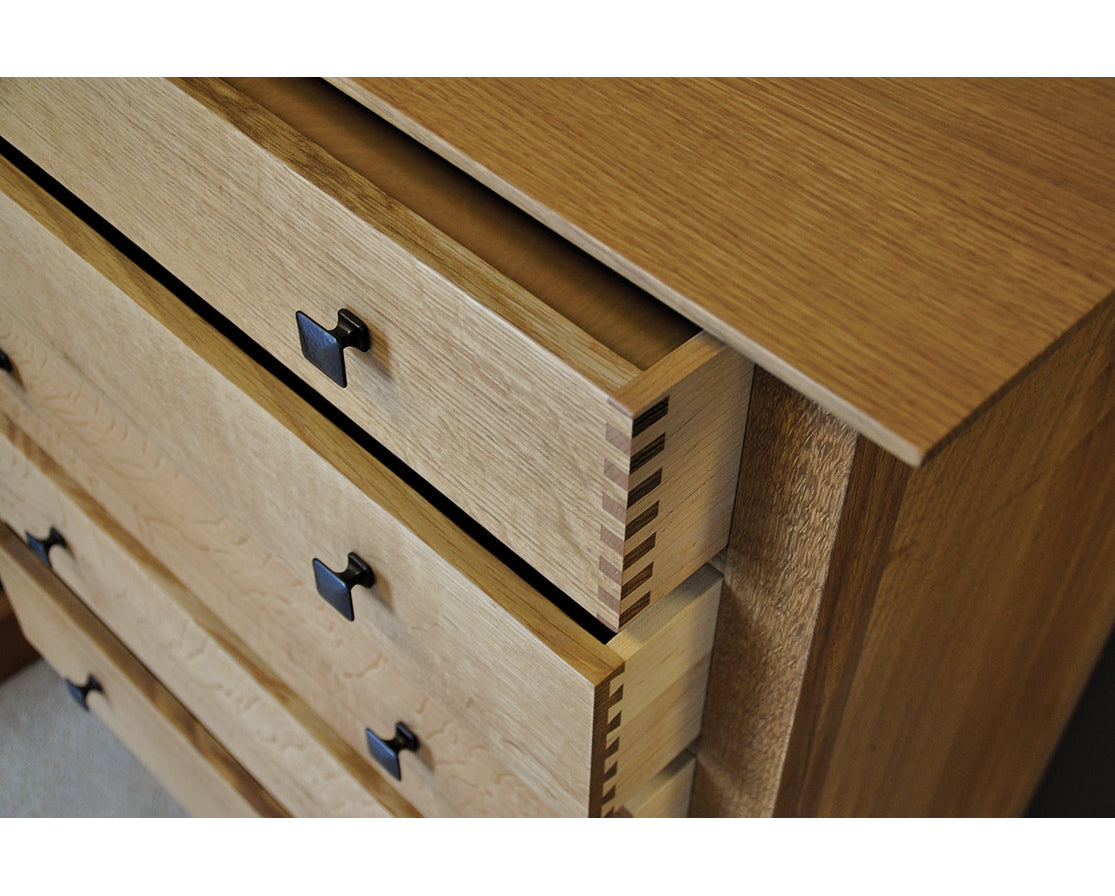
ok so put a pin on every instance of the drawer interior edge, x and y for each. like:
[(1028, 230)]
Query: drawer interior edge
[(174, 306), (616, 313)]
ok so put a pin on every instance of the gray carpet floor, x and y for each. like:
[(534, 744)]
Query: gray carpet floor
[(59, 762)]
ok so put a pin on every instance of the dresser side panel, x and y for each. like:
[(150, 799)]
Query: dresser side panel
[(994, 597), (793, 476)]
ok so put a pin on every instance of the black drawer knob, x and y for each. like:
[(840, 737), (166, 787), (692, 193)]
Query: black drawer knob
[(42, 546), (336, 587), (81, 693), (325, 349), (5, 362), (386, 752)]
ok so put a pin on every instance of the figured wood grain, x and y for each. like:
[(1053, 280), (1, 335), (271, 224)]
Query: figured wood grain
[(238, 204), (225, 685), (352, 677), (197, 770), (896, 251), (408, 618), (950, 653), (203, 403), (345, 675), (797, 459)]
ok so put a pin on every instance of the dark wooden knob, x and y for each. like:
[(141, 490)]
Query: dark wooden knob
[(5, 362), (336, 587), (325, 349), (42, 546), (81, 693), (386, 752)]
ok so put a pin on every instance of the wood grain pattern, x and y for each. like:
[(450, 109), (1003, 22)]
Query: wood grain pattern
[(529, 719), (245, 203), (896, 251), (200, 773), (201, 402), (667, 491), (610, 309), (950, 655), (226, 686), (249, 588), (922, 647), (793, 479), (666, 665), (351, 678)]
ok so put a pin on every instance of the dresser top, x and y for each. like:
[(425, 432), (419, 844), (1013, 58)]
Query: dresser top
[(896, 250)]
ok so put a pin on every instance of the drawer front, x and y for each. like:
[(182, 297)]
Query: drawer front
[(526, 682), (349, 681), (236, 696), (615, 482), (326, 659), (200, 773)]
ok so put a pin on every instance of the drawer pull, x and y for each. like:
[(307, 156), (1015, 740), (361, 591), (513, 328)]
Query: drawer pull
[(81, 693), (325, 348), (336, 587), (42, 546), (386, 752), (5, 362)]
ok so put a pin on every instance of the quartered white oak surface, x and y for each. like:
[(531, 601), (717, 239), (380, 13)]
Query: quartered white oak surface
[(897, 251)]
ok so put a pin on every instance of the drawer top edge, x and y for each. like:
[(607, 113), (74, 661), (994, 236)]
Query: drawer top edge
[(582, 652)]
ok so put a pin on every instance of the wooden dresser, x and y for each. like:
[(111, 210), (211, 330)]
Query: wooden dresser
[(618, 448)]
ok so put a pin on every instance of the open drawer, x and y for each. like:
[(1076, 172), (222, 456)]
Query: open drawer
[(183, 430), (104, 677), (275, 736), (586, 426)]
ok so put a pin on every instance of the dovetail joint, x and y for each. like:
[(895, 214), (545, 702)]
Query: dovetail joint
[(607, 717), (625, 554)]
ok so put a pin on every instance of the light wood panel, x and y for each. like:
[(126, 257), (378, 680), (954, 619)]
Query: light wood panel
[(666, 795), (226, 686), (667, 492), (445, 595), (351, 680), (342, 673), (238, 204), (897, 251), (442, 632), (199, 772), (666, 664)]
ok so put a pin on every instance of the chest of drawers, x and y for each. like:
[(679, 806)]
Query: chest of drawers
[(410, 506)]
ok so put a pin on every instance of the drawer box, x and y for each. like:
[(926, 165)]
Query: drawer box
[(579, 422), (581, 724), (667, 794), (272, 733), (197, 770)]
